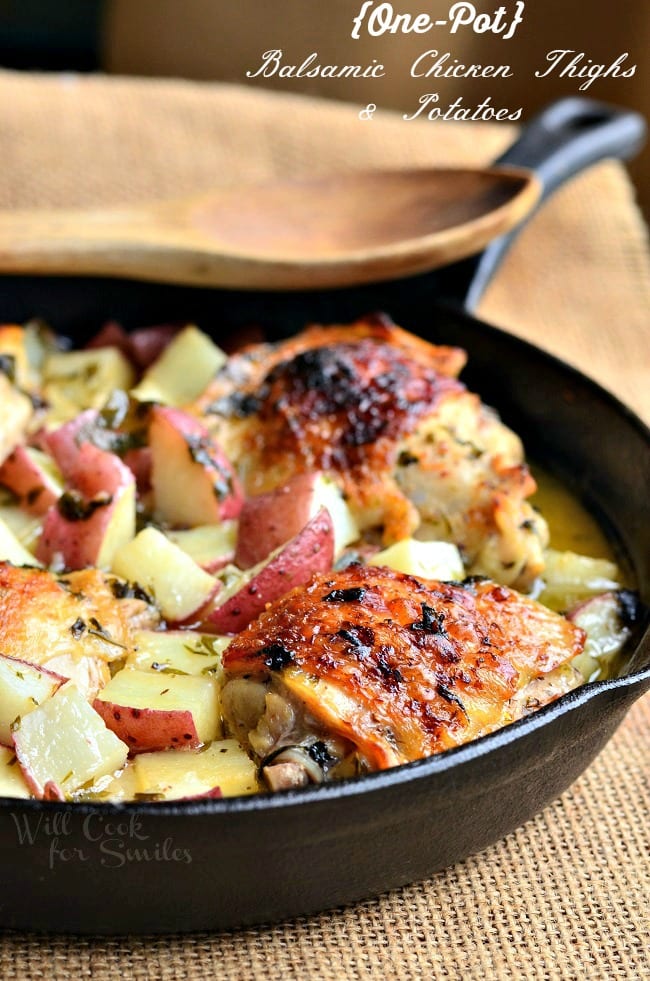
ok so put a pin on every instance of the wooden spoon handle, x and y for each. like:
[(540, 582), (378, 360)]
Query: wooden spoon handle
[(133, 242)]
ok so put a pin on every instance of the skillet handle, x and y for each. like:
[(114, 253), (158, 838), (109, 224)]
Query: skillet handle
[(564, 139)]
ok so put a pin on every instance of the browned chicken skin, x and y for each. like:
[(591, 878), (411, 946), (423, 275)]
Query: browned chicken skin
[(74, 624), (382, 411), (394, 667)]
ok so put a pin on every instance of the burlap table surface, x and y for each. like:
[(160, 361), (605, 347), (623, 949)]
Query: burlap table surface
[(568, 894)]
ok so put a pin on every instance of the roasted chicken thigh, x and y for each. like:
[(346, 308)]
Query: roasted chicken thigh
[(375, 665), (383, 412), (75, 624)]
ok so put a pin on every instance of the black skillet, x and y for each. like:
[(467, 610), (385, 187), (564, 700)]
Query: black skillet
[(154, 868)]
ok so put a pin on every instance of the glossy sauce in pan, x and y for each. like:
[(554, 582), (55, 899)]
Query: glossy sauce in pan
[(573, 528), (571, 525)]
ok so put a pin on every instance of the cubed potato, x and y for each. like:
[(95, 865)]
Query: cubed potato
[(11, 550), (23, 687), (151, 710), (94, 517), (77, 380), (427, 560), (267, 521), (570, 578), (63, 442), (178, 652), (118, 788), (193, 481), (179, 586), (12, 781), (26, 528), (182, 371), (173, 775), (293, 564), (63, 744), (33, 477), (16, 412), (211, 546), (607, 621)]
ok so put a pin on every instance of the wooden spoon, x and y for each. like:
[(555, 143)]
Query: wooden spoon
[(300, 234)]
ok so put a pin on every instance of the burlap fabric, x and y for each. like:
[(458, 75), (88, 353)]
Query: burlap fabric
[(567, 895)]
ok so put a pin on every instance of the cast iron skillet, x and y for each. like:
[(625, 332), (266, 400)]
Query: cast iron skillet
[(154, 868)]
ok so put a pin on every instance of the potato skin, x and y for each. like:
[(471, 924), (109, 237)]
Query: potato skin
[(193, 481), (269, 520), (312, 550), (28, 481), (146, 730), (99, 480)]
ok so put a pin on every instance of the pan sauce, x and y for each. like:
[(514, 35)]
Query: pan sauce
[(573, 528)]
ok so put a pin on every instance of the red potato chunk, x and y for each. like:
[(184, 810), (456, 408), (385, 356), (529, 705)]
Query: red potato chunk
[(24, 473), (95, 517), (111, 334), (63, 743), (211, 546), (222, 769), (151, 711), (312, 550), (23, 687), (181, 587), (269, 520), (64, 442), (147, 729), (139, 463), (147, 343), (193, 481), (141, 346)]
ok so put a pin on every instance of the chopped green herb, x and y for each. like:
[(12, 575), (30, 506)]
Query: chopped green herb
[(205, 646), (78, 628), (166, 668), (102, 634), (8, 367), (74, 507)]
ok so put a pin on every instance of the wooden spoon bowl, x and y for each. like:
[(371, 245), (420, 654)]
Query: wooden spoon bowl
[(301, 234)]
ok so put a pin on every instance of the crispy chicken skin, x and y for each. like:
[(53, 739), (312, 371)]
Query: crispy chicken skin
[(383, 412), (394, 667), (75, 623)]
